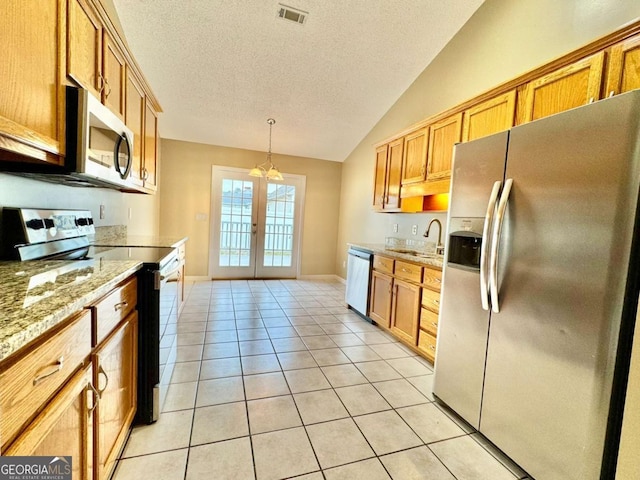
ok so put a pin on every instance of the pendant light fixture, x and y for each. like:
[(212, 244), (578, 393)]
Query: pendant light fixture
[(267, 169)]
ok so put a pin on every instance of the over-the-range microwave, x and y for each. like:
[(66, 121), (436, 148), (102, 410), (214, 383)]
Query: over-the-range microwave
[(99, 147)]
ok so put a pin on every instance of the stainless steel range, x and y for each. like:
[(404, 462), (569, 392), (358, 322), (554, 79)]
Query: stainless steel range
[(34, 234)]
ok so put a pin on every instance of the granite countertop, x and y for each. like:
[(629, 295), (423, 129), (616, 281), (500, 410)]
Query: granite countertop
[(141, 241), (39, 294), (432, 260)]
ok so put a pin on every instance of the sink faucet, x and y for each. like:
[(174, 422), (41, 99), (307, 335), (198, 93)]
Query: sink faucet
[(439, 246)]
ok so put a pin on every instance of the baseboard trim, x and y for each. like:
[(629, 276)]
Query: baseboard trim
[(321, 277), (196, 278)]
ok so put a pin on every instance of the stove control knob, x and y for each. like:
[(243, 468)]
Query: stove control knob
[(90, 221), (48, 223), (35, 224)]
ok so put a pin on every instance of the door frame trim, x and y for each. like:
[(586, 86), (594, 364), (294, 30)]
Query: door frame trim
[(212, 205)]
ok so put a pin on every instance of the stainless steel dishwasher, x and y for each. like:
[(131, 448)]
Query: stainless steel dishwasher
[(358, 280)]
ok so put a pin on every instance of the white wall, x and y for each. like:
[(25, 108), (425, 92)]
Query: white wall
[(503, 39), (23, 192)]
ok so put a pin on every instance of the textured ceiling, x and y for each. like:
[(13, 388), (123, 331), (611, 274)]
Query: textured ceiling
[(220, 68)]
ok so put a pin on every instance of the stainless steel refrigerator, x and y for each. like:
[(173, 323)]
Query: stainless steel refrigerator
[(541, 285)]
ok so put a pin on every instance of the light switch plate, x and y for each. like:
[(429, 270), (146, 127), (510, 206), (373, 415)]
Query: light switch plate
[(414, 229)]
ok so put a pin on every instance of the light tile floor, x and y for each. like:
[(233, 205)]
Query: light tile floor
[(277, 379)]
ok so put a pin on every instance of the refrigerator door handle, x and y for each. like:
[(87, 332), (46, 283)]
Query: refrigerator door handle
[(484, 249), (495, 244)]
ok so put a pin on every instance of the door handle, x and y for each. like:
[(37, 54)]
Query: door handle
[(495, 244), (484, 249)]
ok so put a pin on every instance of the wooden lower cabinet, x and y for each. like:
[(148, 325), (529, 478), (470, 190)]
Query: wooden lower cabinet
[(405, 310), (115, 377), (380, 298), (64, 427)]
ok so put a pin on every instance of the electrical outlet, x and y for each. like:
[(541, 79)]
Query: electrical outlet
[(395, 228), (130, 213), (414, 229), (101, 212)]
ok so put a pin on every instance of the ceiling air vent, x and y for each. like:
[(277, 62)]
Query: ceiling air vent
[(292, 14)]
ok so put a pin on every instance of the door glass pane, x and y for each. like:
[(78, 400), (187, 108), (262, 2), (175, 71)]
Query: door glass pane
[(278, 233), (235, 223)]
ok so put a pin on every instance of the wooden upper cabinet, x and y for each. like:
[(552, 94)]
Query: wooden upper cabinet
[(114, 75), (135, 106), (568, 87), (150, 148), (624, 67), (415, 156), (489, 117), (84, 46), (388, 174), (394, 174), (32, 96), (443, 135), (380, 180)]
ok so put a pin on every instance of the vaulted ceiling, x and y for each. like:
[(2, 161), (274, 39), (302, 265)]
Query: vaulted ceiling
[(221, 68)]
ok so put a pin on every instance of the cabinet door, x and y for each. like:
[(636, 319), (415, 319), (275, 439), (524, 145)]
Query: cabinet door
[(32, 95), (405, 310), (493, 116), (115, 377), (394, 175), (113, 72), (380, 299), (624, 66), (64, 427), (569, 87), (380, 180), (150, 148), (443, 135), (84, 46), (134, 119), (415, 156)]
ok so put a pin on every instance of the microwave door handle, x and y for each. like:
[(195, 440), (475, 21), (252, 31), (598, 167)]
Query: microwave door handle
[(495, 245), (116, 156)]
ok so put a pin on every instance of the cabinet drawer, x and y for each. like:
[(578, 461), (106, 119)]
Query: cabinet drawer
[(408, 271), (113, 308), (383, 264), (432, 278), (427, 343), (29, 382), (431, 300), (429, 321)]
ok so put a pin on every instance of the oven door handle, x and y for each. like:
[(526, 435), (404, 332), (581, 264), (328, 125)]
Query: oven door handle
[(160, 276)]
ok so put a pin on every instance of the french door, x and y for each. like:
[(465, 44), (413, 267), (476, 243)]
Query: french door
[(255, 225)]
